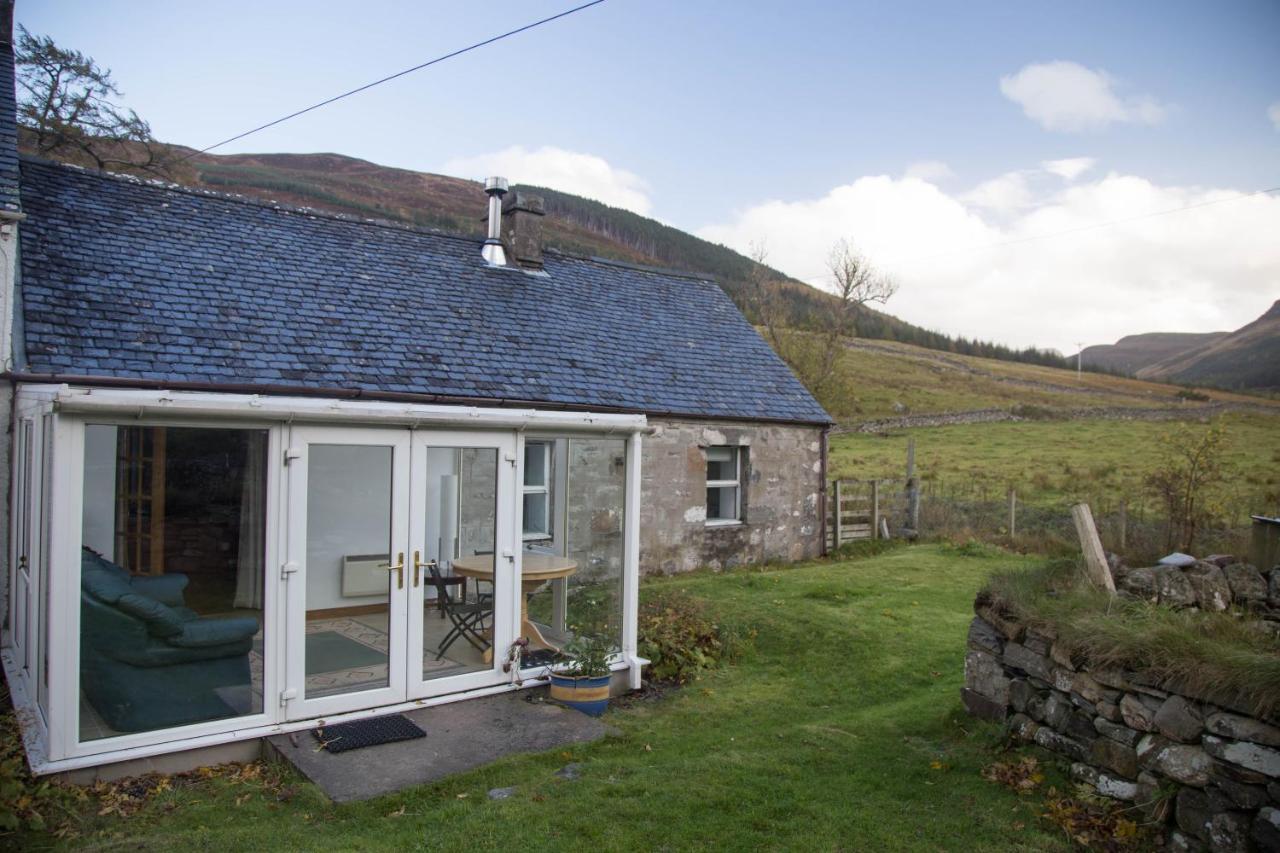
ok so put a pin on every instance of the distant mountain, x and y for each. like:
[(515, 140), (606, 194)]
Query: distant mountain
[(1248, 358), (1134, 352)]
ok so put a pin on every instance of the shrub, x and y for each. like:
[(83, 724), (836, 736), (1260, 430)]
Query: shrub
[(681, 639)]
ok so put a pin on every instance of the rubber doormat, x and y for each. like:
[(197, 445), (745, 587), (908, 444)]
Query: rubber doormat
[(346, 736)]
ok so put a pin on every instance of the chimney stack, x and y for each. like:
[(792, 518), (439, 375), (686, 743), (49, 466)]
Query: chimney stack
[(522, 214), (492, 251)]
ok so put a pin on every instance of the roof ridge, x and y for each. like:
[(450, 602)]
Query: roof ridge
[(629, 265), (201, 192)]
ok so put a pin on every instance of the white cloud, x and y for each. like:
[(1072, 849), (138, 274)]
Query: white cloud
[(1066, 96), (568, 171), (928, 170), (964, 271), (1273, 112), (1070, 168), (1009, 192)]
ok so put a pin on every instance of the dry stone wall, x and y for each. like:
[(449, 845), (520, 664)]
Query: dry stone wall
[(1210, 772)]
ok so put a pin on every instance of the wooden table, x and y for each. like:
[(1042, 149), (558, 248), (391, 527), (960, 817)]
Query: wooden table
[(536, 569)]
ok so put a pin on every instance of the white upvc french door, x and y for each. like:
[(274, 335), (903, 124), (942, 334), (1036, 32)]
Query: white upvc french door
[(462, 504), (370, 512), (344, 572)]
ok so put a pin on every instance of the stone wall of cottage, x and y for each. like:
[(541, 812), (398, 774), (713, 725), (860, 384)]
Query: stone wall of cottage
[(1207, 770), (781, 497)]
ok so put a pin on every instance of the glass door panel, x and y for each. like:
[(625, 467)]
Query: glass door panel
[(460, 608), (346, 576)]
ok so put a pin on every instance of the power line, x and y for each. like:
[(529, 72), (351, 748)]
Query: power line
[(391, 77), (1091, 227)]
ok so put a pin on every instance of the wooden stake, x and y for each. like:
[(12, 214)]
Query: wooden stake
[(1013, 513), (1095, 559), (875, 509), (1124, 524), (839, 513)]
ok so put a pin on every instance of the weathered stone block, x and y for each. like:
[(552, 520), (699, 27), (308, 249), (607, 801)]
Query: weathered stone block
[(981, 706), (1139, 583), (1247, 585), (983, 674), (1114, 756), (1251, 756), (1179, 719), (1193, 813), (1210, 585), (1273, 587), (1088, 687), (1184, 763), (1020, 694), (1110, 711), (1242, 728), (1229, 832), (1001, 621), (1182, 843), (984, 637), (1220, 560), (1083, 704), (1104, 783), (1136, 714), (1148, 748), (1020, 657), (1022, 727), (1062, 656), (1241, 796), (1173, 589), (1062, 679), (1266, 828), (1112, 678), (1235, 773), (1155, 806), (1054, 742), (1117, 733), (1036, 642), (1079, 726), (1056, 710)]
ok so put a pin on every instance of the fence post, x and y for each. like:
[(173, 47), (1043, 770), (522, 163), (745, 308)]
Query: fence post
[(1013, 513), (875, 509), (1124, 523), (913, 492), (839, 513), (1095, 559)]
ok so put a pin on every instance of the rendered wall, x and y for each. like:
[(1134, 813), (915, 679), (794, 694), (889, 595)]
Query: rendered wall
[(781, 500)]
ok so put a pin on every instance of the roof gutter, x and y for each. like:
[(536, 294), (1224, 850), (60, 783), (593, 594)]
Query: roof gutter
[(381, 396)]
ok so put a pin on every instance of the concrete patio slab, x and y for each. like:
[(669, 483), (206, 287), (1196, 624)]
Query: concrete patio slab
[(461, 736)]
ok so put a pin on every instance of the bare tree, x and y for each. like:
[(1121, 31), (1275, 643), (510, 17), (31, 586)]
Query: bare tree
[(65, 101), (856, 283)]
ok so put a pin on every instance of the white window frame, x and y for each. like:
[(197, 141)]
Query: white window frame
[(736, 483), (544, 534)]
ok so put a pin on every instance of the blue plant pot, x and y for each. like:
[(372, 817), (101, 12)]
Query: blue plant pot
[(588, 695)]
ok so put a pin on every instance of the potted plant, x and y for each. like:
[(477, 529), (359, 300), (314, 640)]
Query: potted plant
[(583, 683)]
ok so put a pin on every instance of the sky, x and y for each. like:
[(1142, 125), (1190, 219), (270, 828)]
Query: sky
[(1012, 166)]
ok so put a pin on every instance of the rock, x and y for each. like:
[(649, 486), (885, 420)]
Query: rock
[(1020, 657), (1266, 828), (1210, 585), (1079, 726), (1036, 705), (1112, 678), (1036, 643), (1061, 655), (1084, 704), (1273, 587), (1136, 714), (1087, 686), (1117, 733), (1054, 742), (1056, 710), (983, 637), (981, 706), (1023, 727), (1247, 586), (1114, 756), (501, 793), (1155, 807), (1179, 843), (1179, 719), (1193, 812), (1062, 679), (1148, 748), (1220, 560), (1251, 756), (1105, 784), (983, 674), (570, 771), (1235, 773), (1109, 711), (1001, 621), (1173, 589), (1242, 728), (1139, 584), (1184, 763), (1229, 832), (1176, 559), (1020, 693), (1248, 797)]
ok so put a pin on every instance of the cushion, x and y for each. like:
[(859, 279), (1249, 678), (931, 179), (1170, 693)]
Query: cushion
[(160, 618), (104, 586), (216, 631), (89, 557)]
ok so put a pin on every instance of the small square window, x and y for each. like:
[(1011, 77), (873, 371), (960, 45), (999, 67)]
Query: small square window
[(536, 491), (724, 484)]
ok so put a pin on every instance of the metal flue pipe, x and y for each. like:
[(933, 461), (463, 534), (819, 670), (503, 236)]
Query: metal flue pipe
[(492, 251)]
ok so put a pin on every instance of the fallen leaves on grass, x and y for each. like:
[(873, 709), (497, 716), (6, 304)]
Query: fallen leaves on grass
[(1094, 822), (1021, 774)]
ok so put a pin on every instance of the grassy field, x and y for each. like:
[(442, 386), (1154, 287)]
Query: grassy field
[(841, 729), (1058, 461), (883, 379)]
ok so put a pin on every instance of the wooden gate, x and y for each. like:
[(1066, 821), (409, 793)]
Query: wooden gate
[(856, 512)]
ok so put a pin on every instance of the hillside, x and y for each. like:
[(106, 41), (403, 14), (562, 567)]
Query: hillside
[(1249, 357), (1134, 352)]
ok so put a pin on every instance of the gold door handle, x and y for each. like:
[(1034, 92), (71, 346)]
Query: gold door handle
[(399, 569), (418, 566)]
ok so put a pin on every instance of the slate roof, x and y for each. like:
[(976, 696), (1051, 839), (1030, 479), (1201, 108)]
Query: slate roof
[(128, 279), (8, 109)]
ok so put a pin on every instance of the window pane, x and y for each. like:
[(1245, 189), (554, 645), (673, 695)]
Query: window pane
[(722, 503), (535, 514), (722, 463), (535, 464), (172, 577)]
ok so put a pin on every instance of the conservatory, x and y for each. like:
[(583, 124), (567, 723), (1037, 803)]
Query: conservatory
[(194, 568)]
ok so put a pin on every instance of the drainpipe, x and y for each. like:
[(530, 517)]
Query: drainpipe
[(822, 490)]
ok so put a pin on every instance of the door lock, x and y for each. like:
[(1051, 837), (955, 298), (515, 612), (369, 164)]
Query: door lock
[(399, 569)]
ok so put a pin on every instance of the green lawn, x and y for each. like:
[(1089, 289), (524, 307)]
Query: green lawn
[(1057, 461), (841, 729)]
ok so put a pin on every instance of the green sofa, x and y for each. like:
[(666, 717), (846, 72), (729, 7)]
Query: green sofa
[(149, 662)]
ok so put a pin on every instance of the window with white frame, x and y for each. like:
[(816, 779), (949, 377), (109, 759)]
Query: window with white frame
[(536, 490), (724, 485)]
